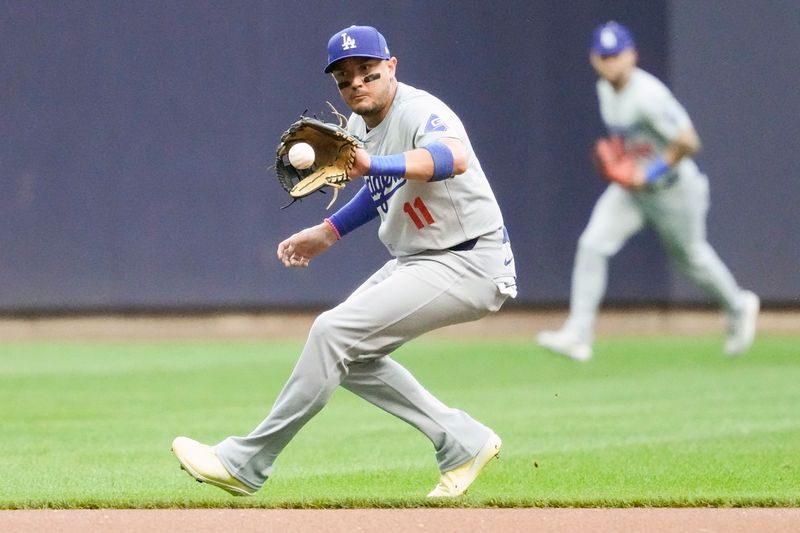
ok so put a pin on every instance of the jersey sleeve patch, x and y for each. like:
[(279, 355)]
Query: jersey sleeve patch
[(435, 123)]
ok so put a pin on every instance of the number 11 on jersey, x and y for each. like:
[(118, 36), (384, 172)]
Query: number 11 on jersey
[(414, 211)]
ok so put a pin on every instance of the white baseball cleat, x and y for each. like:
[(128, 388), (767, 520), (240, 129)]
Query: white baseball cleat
[(742, 326), (456, 482), (565, 342), (200, 462)]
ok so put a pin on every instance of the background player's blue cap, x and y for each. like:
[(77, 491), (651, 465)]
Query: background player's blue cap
[(611, 38), (356, 41)]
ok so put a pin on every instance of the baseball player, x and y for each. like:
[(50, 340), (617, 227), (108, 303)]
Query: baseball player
[(654, 182), (452, 263)]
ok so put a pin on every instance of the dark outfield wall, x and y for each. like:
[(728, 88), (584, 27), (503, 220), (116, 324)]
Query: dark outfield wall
[(135, 140), (734, 63)]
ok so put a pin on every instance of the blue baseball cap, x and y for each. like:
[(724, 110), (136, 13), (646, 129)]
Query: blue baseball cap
[(611, 38), (356, 41)]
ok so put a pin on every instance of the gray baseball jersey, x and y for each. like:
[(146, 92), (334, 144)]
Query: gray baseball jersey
[(418, 216), (648, 117)]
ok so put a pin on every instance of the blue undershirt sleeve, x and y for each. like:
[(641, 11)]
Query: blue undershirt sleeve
[(354, 214)]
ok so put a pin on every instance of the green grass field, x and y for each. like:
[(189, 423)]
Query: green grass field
[(665, 421)]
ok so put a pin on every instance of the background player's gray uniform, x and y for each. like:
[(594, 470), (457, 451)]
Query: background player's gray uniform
[(426, 286), (649, 118)]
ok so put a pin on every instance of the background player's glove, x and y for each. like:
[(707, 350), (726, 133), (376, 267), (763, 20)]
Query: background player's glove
[(613, 162), (334, 156)]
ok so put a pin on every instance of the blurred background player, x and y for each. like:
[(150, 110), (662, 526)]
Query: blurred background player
[(667, 191), (453, 263)]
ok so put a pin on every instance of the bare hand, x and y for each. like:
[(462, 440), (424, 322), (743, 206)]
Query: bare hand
[(362, 163), (300, 248), (638, 180)]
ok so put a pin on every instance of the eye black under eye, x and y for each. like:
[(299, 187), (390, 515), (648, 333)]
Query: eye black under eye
[(343, 84)]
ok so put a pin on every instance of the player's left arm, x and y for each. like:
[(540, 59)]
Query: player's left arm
[(672, 122), (441, 159), (685, 144)]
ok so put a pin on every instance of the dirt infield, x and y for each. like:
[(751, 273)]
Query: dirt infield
[(651, 520)]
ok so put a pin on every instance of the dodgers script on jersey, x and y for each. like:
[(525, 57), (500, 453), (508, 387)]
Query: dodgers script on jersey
[(420, 216), (648, 117)]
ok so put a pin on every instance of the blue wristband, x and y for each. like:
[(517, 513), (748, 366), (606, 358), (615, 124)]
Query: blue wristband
[(354, 214), (387, 165), (655, 170), (442, 160)]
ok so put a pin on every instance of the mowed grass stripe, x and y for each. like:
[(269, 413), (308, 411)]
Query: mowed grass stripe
[(664, 421)]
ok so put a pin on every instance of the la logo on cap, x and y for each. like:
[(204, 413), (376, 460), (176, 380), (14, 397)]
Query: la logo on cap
[(608, 39), (348, 42)]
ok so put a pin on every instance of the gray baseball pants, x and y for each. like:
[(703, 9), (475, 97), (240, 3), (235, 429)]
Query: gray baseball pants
[(678, 214), (350, 344)]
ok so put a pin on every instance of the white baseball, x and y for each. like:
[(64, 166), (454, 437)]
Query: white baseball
[(301, 155)]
